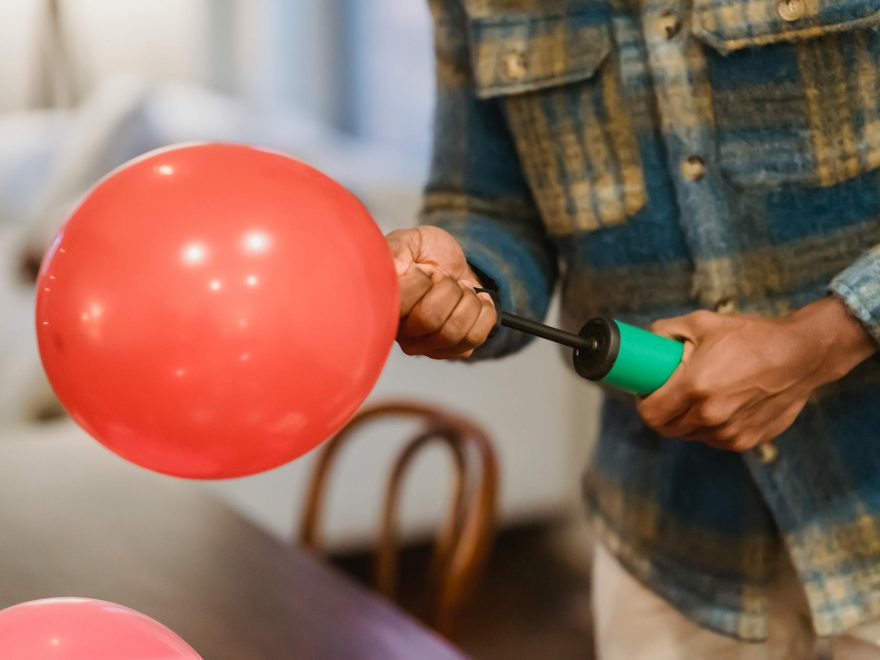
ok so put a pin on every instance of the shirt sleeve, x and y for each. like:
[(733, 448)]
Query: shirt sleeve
[(476, 189), (858, 286)]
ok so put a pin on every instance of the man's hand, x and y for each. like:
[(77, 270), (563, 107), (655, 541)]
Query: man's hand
[(440, 315), (743, 380)]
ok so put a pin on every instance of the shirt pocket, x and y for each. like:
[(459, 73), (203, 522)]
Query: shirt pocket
[(794, 86), (564, 104)]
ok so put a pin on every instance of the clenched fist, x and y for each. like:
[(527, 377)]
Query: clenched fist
[(440, 315)]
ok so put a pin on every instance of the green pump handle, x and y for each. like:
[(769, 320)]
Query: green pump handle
[(626, 357), (607, 351)]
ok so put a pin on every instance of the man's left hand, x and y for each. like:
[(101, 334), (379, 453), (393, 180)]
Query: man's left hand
[(744, 379)]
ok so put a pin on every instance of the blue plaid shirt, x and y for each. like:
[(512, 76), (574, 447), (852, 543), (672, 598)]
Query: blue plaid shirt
[(659, 156)]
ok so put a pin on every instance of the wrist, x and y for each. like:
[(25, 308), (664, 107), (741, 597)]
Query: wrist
[(841, 340)]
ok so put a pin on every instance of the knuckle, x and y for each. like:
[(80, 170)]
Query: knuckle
[(662, 324), (701, 316), (710, 413), (699, 387)]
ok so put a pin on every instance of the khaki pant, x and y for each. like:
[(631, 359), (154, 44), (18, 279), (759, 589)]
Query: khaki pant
[(632, 623)]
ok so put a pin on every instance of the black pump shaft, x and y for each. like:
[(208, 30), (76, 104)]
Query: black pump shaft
[(536, 329)]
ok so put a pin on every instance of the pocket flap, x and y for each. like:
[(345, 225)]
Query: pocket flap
[(730, 25), (515, 53)]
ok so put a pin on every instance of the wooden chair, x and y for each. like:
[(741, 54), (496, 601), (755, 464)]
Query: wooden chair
[(462, 544)]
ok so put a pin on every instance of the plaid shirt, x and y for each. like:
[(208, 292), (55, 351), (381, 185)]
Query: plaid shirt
[(672, 155)]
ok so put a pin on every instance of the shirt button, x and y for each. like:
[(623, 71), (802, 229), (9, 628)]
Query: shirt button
[(668, 25), (693, 168), (790, 10), (515, 65), (726, 306), (767, 453)]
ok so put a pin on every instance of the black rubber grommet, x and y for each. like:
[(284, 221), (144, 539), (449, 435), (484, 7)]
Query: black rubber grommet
[(605, 338)]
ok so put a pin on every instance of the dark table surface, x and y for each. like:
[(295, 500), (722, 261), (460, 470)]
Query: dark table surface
[(76, 520)]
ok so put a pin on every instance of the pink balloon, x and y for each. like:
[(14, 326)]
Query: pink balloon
[(85, 629)]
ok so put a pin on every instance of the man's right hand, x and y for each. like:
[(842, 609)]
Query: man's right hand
[(440, 315)]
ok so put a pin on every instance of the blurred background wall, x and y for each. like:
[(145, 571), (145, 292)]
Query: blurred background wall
[(362, 65), (344, 84)]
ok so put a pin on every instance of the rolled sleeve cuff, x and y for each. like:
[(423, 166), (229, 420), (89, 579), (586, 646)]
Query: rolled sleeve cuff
[(859, 288), (522, 282)]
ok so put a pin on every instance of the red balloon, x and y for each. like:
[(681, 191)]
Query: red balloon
[(216, 310), (85, 629)]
